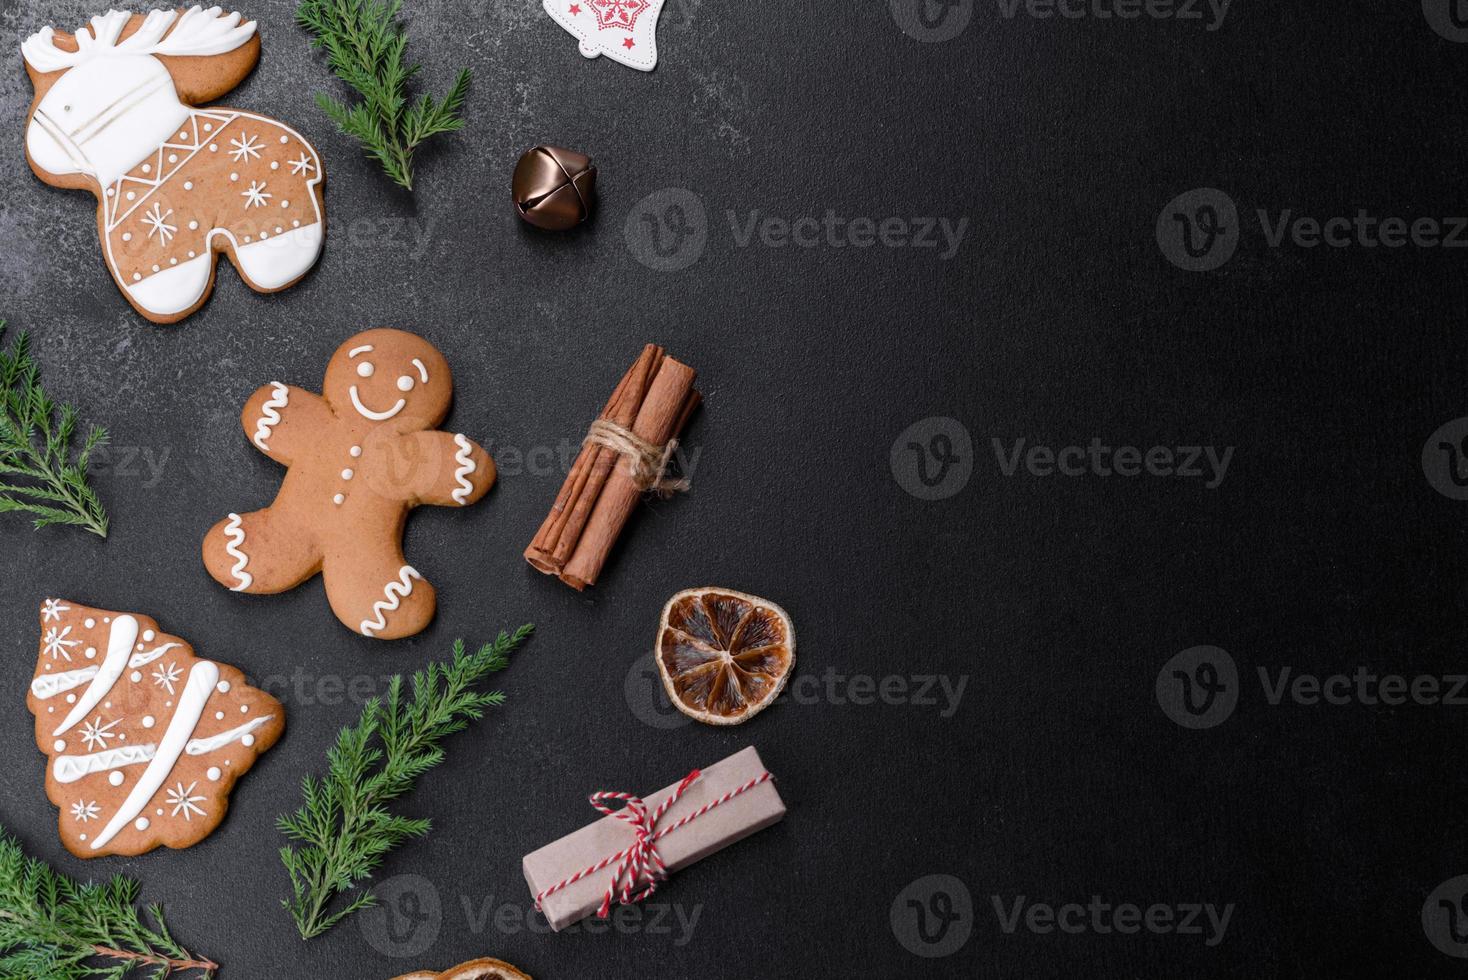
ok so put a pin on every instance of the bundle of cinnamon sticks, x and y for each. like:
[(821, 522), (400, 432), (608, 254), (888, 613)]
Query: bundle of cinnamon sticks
[(654, 402)]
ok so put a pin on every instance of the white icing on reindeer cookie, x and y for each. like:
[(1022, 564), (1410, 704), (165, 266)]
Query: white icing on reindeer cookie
[(112, 112)]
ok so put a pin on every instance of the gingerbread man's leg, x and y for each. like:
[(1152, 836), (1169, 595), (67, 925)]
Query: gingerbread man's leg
[(260, 553), (375, 592)]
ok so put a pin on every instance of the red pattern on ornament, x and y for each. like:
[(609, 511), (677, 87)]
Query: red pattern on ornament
[(621, 14)]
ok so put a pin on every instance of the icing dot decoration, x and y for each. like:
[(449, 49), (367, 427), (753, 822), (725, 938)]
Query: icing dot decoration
[(213, 773), (141, 823), (149, 721), (115, 778), (222, 687)]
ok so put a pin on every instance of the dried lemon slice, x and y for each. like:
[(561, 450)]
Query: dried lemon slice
[(724, 655), (485, 969)]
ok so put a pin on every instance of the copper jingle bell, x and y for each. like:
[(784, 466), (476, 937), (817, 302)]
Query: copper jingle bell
[(554, 188)]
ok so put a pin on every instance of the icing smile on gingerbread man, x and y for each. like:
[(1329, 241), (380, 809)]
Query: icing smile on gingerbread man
[(359, 457), (367, 368)]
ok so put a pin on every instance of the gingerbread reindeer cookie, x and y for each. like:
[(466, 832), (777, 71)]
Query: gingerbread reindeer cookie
[(176, 185), (144, 740), (359, 457)]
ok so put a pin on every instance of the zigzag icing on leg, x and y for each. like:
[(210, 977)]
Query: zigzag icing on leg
[(236, 535), (396, 592)]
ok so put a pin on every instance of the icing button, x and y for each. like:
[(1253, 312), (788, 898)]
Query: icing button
[(347, 474), (339, 499), (356, 452)]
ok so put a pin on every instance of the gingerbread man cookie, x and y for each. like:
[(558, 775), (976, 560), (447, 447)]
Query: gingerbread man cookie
[(144, 740), (115, 114), (359, 457)]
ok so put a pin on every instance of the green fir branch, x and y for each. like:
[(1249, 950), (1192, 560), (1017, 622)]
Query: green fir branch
[(42, 474), (53, 928), (344, 828), (366, 47)]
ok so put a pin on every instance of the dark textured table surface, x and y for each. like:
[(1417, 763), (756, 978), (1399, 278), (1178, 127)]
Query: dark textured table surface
[(986, 691)]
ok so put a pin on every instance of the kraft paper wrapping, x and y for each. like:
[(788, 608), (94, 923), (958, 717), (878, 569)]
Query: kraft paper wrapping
[(726, 824)]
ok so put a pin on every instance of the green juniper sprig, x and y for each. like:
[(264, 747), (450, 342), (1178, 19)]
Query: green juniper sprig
[(38, 474), (53, 928), (345, 828), (364, 44)]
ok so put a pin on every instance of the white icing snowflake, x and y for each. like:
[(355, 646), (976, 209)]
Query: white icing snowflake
[(57, 644), (53, 610), (302, 166), (255, 197), (96, 734), (166, 675), (182, 799), (244, 149), (85, 811), (157, 222)]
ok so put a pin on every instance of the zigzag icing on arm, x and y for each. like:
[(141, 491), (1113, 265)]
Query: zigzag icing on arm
[(235, 534), (202, 678), (119, 645), (270, 414), (396, 592), (465, 459)]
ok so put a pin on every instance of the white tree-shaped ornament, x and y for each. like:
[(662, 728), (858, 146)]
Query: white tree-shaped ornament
[(623, 30)]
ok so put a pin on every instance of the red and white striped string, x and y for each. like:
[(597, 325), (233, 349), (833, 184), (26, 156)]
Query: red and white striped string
[(641, 863)]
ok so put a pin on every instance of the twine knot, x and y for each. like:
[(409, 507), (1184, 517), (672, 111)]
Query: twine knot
[(647, 463)]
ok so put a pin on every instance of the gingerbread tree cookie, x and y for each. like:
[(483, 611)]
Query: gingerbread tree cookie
[(115, 113), (144, 740), (359, 457)]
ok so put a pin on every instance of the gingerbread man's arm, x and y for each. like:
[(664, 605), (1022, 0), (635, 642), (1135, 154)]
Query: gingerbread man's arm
[(282, 421), (455, 472)]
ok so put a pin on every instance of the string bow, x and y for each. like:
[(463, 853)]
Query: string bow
[(640, 865)]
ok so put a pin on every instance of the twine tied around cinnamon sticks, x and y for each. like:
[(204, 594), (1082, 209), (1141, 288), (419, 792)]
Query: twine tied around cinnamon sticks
[(641, 423), (647, 463)]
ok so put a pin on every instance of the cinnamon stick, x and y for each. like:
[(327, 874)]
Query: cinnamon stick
[(654, 400), (670, 401), (558, 535)]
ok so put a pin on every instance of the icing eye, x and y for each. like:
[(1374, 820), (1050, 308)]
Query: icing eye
[(405, 383), (365, 369), (66, 108)]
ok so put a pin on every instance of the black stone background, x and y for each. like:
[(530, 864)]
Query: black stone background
[(1059, 599)]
